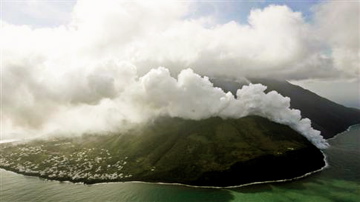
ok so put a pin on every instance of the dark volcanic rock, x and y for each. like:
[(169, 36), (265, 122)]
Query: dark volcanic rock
[(267, 168)]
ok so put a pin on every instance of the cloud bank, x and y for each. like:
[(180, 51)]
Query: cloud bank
[(101, 104), (104, 71)]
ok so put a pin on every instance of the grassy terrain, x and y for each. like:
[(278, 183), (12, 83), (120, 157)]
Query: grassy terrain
[(167, 150)]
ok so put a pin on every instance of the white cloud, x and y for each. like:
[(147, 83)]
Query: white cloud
[(102, 68), (190, 96), (276, 42), (338, 26)]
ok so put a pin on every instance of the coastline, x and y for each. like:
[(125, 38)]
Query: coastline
[(165, 183), (319, 186), (129, 180), (347, 130), (96, 182)]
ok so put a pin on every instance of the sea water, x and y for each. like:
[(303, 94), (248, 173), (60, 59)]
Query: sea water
[(340, 181)]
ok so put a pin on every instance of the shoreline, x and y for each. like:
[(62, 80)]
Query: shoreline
[(226, 187), (62, 180), (348, 129), (98, 182), (164, 183)]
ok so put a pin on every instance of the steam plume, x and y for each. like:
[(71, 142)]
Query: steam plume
[(109, 106)]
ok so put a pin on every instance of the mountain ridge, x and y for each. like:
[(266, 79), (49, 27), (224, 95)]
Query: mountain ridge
[(326, 116)]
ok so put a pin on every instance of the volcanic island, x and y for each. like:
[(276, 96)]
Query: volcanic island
[(213, 152)]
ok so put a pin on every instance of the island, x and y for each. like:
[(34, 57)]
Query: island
[(213, 152)]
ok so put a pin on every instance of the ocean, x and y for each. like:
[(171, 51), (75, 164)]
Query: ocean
[(340, 181)]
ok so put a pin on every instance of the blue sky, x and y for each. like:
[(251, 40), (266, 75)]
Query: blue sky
[(225, 11)]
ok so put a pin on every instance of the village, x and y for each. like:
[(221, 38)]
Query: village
[(80, 164)]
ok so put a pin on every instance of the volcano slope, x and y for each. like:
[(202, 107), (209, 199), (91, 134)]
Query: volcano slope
[(210, 152), (326, 116)]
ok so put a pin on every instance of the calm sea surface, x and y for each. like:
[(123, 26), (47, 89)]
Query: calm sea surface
[(339, 182)]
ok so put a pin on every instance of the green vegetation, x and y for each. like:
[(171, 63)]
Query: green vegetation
[(167, 150)]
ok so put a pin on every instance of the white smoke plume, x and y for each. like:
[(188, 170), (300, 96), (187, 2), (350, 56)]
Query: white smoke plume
[(191, 96), (102, 103), (104, 70)]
